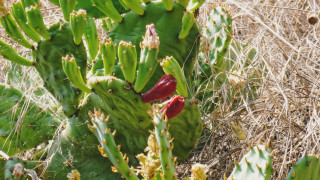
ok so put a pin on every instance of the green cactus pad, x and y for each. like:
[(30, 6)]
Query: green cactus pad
[(47, 61), (256, 164), (215, 43), (128, 114), (307, 168), (23, 125), (218, 32), (76, 148), (168, 25), (186, 128)]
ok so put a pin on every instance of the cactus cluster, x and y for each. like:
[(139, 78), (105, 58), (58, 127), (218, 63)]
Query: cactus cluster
[(216, 37), (113, 75), (257, 164), (159, 163), (149, 54)]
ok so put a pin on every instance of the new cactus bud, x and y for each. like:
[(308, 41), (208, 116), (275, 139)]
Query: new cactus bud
[(183, 3), (108, 53), (187, 23), (9, 53), (78, 22), (164, 143), (171, 66), (110, 149), (20, 16), (194, 5), (72, 71), (166, 85), (107, 7), (174, 106), (10, 25), (148, 57), (91, 37), (135, 6), (128, 60), (36, 21), (167, 4), (67, 6)]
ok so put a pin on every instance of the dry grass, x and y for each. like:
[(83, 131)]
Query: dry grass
[(287, 113)]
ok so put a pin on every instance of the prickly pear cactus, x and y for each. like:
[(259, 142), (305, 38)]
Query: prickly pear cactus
[(76, 148), (23, 124), (46, 55), (216, 37), (113, 75), (227, 69), (92, 10), (168, 25), (307, 168), (256, 164)]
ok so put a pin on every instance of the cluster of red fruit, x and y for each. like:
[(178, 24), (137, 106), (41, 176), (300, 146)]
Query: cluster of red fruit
[(166, 85)]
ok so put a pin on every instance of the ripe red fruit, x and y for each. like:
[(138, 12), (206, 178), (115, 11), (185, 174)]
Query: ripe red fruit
[(166, 85), (174, 106)]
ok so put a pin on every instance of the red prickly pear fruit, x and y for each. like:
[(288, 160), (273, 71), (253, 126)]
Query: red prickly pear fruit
[(174, 106), (166, 85)]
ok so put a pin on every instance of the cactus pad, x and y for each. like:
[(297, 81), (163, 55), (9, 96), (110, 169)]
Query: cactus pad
[(168, 24), (307, 168), (47, 61), (23, 125), (256, 164)]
